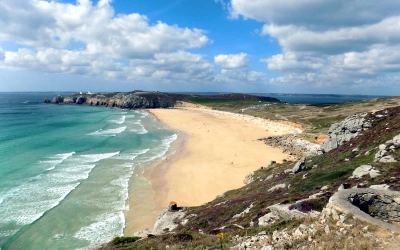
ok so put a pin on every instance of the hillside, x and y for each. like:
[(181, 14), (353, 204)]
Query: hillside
[(280, 207)]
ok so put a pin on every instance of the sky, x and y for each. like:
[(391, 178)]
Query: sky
[(252, 46)]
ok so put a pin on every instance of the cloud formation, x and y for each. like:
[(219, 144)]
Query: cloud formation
[(234, 68), (91, 40), (325, 43)]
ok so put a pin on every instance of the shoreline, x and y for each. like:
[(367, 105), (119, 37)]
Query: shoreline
[(213, 154), (154, 175)]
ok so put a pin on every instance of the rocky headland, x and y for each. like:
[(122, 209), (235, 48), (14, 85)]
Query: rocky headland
[(130, 100)]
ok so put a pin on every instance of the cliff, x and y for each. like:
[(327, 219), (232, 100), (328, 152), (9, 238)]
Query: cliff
[(130, 100)]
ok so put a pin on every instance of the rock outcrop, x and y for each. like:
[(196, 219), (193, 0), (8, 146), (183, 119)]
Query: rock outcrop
[(58, 99), (293, 144), (345, 130), (166, 222), (133, 100), (386, 151)]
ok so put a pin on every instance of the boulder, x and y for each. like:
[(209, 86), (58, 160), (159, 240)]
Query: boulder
[(299, 166), (46, 100), (276, 187), (365, 170), (396, 140)]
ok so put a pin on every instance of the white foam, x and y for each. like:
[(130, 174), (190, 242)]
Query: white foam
[(58, 158), (160, 151), (139, 129), (28, 202), (104, 229), (170, 139), (91, 158), (51, 168), (120, 120), (131, 156), (109, 132)]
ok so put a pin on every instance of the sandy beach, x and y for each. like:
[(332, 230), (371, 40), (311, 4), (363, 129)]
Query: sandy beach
[(214, 153)]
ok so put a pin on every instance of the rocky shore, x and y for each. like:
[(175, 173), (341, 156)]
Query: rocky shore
[(130, 100)]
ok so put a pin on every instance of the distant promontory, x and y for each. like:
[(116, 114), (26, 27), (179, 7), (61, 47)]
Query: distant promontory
[(143, 99)]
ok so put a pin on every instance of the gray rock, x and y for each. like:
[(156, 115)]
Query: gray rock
[(299, 166), (249, 178), (396, 140), (380, 187), (167, 220), (365, 170), (382, 147), (345, 130), (269, 177), (325, 187), (276, 187), (288, 171), (267, 219), (388, 158), (58, 99)]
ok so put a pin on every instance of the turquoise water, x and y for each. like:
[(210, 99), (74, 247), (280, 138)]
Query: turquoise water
[(65, 169)]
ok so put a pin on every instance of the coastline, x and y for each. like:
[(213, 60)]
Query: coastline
[(144, 210), (213, 154)]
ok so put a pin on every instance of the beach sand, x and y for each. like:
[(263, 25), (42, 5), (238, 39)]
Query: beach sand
[(214, 153)]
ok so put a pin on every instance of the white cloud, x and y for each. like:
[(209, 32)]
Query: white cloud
[(2, 55), (124, 46), (179, 66), (231, 61), (234, 69), (43, 24), (316, 14), (291, 61), (329, 43), (335, 41)]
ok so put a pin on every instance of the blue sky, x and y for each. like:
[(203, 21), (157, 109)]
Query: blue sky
[(266, 46)]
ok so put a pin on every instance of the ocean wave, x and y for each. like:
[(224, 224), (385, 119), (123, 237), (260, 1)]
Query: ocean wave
[(57, 159), (92, 158), (131, 156), (139, 129), (160, 150), (109, 132), (120, 120), (26, 203), (107, 225)]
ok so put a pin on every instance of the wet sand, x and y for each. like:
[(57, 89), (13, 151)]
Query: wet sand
[(214, 153)]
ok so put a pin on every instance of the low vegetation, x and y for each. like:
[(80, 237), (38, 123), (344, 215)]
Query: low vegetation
[(216, 225)]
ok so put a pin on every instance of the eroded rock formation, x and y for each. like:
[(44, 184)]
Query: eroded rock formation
[(133, 100), (345, 130)]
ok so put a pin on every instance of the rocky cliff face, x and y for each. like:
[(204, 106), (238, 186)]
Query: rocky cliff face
[(135, 100), (345, 130)]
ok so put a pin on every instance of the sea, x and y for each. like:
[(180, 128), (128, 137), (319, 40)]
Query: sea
[(67, 172)]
